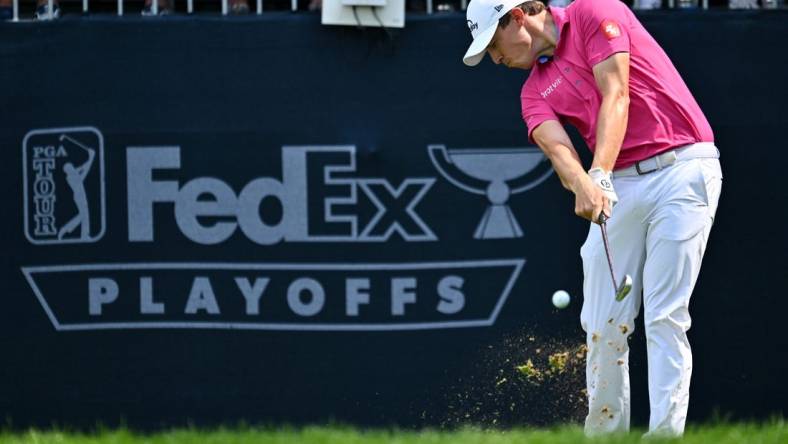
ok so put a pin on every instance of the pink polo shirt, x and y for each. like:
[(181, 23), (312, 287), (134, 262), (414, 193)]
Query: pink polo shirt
[(662, 112)]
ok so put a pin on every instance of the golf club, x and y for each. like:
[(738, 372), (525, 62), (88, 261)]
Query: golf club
[(626, 285)]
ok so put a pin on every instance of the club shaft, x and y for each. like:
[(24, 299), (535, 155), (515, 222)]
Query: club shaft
[(603, 227), (64, 137)]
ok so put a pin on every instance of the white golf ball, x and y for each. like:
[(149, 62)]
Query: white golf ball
[(560, 299)]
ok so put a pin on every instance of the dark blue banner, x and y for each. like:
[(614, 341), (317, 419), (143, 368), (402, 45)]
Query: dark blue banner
[(264, 219)]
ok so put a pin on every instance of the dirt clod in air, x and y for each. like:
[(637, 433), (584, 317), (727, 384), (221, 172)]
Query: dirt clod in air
[(530, 372), (624, 328), (582, 351), (557, 362), (521, 379)]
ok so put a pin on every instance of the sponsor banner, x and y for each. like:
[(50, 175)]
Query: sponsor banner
[(250, 225), (325, 297), (301, 198)]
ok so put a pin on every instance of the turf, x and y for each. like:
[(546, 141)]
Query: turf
[(772, 432)]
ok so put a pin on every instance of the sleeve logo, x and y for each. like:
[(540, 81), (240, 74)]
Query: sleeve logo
[(610, 29)]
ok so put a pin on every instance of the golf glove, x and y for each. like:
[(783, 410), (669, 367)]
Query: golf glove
[(603, 180)]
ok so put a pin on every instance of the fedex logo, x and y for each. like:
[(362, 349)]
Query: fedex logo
[(207, 210)]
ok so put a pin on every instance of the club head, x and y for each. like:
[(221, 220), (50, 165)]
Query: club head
[(624, 289)]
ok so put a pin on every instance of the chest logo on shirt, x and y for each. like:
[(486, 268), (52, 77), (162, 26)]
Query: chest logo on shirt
[(610, 29), (552, 87)]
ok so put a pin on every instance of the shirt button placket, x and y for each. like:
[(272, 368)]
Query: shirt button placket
[(573, 78)]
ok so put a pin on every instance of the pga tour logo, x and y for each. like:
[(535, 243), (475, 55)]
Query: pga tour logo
[(63, 171)]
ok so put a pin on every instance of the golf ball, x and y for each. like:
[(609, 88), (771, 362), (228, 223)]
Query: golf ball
[(560, 299)]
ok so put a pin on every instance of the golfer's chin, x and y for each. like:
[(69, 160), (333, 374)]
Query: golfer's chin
[(525, 65)]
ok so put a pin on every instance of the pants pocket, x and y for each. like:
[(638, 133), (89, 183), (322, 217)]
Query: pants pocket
[(685, 205), (712, 178)]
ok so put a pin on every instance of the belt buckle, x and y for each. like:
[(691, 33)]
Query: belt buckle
[(641, 172), (669, 158)]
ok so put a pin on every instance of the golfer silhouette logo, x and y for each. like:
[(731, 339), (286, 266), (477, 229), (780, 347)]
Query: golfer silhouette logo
[(64, 185), (75, 178)]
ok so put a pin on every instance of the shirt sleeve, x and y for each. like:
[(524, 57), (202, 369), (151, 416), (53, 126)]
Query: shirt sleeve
[(535, 110), (604, 28)]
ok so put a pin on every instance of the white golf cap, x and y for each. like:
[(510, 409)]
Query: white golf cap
[(483, 16)]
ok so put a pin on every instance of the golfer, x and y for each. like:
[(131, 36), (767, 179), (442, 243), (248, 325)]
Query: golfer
[(75, 178), (655, 174)]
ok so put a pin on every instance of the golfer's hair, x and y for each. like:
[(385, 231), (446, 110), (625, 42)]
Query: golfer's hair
[(530, 7)]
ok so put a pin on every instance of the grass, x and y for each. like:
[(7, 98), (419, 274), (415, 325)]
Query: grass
[(772, 432)]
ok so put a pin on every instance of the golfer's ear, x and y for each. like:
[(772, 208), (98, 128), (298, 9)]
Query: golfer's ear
[(517, 15)]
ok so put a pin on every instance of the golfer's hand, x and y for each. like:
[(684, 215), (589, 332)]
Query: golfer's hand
[(590, 199), (603, 180)]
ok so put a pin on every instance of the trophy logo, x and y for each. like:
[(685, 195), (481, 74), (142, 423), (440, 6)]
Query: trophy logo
[(497, 173)]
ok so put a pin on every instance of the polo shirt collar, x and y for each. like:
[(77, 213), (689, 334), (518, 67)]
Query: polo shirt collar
[(561, 19)]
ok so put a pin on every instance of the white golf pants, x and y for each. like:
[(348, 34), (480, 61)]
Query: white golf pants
[(658, 233)]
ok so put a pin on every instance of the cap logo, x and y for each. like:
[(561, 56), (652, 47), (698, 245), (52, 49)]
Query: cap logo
[(472, 26), (498, 8)]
